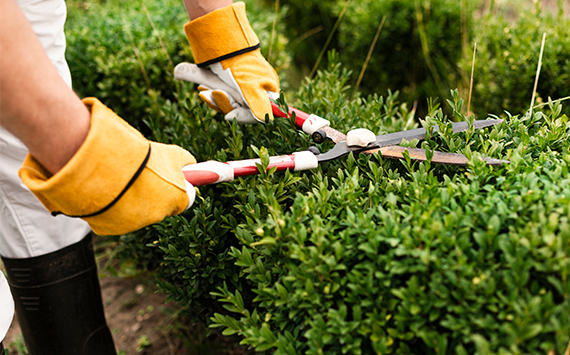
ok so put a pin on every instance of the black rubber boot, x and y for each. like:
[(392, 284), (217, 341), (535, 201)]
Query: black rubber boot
[(58, 302)]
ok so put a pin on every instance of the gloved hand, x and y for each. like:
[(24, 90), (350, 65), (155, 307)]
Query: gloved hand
[(117, 181), (224, 41)]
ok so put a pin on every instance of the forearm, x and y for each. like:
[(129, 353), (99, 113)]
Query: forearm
[(197, 8), (35, 103)]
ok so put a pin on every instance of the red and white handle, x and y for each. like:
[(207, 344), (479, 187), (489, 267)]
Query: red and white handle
[(213, 172), (309, 123)]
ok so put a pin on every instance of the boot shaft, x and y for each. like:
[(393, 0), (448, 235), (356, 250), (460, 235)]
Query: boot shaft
[(58, 302)]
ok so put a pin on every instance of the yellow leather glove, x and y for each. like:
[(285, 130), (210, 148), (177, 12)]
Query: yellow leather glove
[(224, 41), (117, 181)]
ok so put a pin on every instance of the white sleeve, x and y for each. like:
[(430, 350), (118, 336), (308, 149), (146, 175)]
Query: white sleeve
[(6, 306), (47, 18), (27, 229)]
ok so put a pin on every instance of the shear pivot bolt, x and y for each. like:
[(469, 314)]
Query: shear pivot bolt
[(319, 136), (360, 137)]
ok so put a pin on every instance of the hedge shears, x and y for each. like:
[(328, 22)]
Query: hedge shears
[(355, 141)]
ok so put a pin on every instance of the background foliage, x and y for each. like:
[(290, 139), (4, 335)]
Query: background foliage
[(417, 51), (362, 255), (507, 59)]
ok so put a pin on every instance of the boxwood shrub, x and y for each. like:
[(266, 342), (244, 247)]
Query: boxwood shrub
[(370, 255), (364, 254)]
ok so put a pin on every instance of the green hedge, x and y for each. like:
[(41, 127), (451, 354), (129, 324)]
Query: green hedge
[(362, 255), (378, 257), (370, 255)]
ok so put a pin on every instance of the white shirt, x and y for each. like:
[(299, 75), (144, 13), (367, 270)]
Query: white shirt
[(26, 227)]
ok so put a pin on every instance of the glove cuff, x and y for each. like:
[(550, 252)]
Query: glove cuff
[(93, 169), (220, 35)]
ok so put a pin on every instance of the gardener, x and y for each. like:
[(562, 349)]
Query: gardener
[(84, 161)]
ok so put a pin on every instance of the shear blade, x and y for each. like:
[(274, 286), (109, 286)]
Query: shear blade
[(397, 152), (393, 139), (419, 133)]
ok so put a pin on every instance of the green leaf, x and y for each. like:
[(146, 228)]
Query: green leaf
[(530, 331), (265, 241)]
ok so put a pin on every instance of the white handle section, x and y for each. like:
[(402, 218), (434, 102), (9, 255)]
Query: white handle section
[(280, 160), (208, 172), (360, 137), (314, 123), (191, 191), (305, 161)]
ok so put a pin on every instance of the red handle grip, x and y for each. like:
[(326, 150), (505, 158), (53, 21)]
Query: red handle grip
[(300, 116), (213, 172)]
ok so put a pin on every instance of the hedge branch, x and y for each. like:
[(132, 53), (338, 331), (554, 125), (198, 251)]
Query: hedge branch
[(273, 31), (537, 72), (136, 51), (139, 59), (471, 81), (158, 36), (306, 35), (553, 101), (328, 40), (368, 56), (425, 47)]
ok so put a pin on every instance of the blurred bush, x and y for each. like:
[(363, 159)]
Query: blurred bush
[(508, 52), (425, 48), (417, 52), (125, 55), (115, 54)]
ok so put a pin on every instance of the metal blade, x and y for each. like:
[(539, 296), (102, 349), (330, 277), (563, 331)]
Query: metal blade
[(333, 134), (419, 133), (342, 149), (396, 152)]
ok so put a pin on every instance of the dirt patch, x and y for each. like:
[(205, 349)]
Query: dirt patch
[(138, 317)]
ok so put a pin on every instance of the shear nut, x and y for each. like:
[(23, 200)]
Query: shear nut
[(360, 137)]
